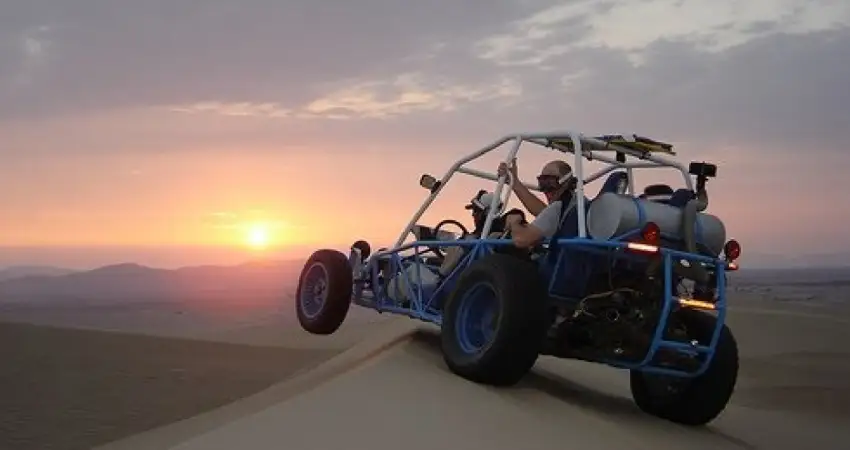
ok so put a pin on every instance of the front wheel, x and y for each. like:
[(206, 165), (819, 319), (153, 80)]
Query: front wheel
[(695, 401), (494, 321), (324, 292)]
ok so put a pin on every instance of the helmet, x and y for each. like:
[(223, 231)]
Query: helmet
[(482, 201)]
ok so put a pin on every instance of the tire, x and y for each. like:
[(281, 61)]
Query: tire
[(699, 400), (507, 294), (322, 310)]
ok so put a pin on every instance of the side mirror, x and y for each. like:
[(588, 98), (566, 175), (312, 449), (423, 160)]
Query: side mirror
[(429, 182)]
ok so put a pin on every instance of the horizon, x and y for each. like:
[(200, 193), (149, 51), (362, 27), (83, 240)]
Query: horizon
[(89, 258), (209, 133)]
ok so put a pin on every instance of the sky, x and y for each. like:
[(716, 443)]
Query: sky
[(162, 125)]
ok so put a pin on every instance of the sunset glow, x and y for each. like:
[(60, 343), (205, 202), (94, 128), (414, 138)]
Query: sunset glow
[(215, 146), (258, 236)]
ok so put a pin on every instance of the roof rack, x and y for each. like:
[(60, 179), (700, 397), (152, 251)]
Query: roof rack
[(632, 142)]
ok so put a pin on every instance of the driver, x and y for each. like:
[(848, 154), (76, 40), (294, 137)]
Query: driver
[(480, 208)]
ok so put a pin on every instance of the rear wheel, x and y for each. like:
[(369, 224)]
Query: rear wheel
[(494, 321), (695, 401), (324, 292)]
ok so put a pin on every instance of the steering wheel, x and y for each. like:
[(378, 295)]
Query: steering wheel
[(463, 235)]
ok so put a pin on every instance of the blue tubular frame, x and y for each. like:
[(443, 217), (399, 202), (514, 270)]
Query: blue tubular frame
[(419, 307), (670, 301), (422, 306)]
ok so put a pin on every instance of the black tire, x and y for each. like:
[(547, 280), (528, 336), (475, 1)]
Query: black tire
[(325, 314), (700, 400), (518, 296)]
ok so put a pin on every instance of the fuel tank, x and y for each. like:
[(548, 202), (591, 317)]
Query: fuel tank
[(613, 214)]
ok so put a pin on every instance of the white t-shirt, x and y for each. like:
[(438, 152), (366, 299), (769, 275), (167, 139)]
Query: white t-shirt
[(549, 220)]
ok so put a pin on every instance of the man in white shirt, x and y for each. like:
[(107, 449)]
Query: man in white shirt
[(557, 182)]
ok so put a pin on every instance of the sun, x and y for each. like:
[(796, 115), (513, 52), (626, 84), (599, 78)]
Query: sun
[(258, 236)]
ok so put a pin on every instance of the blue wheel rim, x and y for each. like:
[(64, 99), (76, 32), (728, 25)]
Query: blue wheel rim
[(314, 291), (477, 318)]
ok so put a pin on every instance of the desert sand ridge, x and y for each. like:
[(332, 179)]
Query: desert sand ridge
[(392, 391), (385, 337)]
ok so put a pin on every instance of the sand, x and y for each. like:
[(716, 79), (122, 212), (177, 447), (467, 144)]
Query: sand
[(265, 324), (74, 389), (406, 398), (67, 389)]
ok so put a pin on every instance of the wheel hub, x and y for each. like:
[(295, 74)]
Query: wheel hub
[(319, 289)]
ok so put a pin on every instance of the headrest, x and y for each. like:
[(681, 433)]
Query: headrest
[(617, 183), (657, 193)]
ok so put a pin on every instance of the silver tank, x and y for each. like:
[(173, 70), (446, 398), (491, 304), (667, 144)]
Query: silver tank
[(613, 214)]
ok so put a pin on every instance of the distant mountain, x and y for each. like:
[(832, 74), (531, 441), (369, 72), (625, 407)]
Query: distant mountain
[(133, 282), (27, 271)]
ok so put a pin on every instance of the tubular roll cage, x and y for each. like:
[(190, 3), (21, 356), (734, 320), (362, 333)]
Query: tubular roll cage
[(649, 154)]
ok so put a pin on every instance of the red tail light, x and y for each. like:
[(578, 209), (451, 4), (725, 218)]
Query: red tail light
[(732, 250), (651, 234), (650, 239)]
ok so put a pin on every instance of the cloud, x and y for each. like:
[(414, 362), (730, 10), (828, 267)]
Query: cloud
[(408, 93), (229, 220), (781, 91), (243, 109), (127, 54), (759, 72), (28, 57), (632, 27), (405, 94)]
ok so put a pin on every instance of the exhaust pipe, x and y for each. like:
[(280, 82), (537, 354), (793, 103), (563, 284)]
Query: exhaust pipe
[(694, 272)]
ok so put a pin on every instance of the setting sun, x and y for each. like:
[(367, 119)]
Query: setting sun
[(258, 236)]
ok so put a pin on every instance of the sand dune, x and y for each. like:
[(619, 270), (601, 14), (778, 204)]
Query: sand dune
[(73, 389), (193, 378), (794, 393), (78, 376)]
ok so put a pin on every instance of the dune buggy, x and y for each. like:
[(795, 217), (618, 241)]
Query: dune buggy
[(632, 280)]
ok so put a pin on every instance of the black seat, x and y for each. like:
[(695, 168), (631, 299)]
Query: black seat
[(617, 183), (681, 197), (576, 264), (660, 193), (663, 193)]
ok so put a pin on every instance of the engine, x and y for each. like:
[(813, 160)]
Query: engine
[(618, 320)]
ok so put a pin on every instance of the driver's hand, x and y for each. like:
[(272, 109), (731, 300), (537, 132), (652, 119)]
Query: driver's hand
[(504, 169)]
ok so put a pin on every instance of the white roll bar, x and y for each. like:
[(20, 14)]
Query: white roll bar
[(581, 146)]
